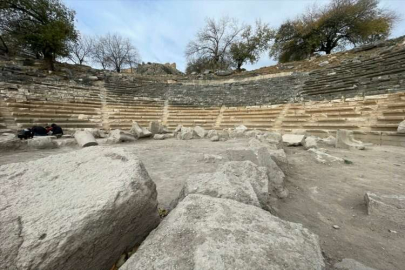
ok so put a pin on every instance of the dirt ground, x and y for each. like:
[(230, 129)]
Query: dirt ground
[(321, 195)]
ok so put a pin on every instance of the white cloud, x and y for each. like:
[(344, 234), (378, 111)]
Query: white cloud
[(161, 29)]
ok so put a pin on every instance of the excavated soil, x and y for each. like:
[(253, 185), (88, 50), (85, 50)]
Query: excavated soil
[(321, 195)]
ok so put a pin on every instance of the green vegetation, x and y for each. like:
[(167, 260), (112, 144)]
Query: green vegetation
[(42, 28), (332, 27)]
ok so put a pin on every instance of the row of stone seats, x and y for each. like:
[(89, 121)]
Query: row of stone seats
[(142, 111), (192, 116), (391, 112), (374, 74), (261, 118), (69, 115)]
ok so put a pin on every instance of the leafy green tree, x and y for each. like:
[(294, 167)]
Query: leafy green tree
[(251, 44), (335, 26), (44, 27)]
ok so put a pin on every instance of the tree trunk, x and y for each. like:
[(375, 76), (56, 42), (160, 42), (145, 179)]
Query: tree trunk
[(48, 57), (239, 66)]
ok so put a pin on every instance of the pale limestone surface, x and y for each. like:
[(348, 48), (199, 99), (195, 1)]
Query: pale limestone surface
[(293, 139), (350, 264), (79, 210), (345, 140), (85, 138), (204, 233), (242, 181)]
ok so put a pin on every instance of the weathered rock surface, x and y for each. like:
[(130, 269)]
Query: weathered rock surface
[(322, 157), (331, 141), (97, 133), (211, 133), (85, 138), (10, 142), (310, 142), (72, 211), (139, 132), (156, 128), (45, 142), (211, 233), (293, 139), (264, 157), (390, 207), (199, 132), (214, 139), (242, 181), (401, 127), (159, 137), (185, 133), (119, 136), (350, 264), (345, 140)]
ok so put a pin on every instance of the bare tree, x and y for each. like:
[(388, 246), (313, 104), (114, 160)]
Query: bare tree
[(81, 49), (214, 40), (116, 52), (99, 53)]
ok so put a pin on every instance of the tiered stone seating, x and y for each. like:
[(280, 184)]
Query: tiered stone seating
[(391, 112), (192, 116), (260, 118), (367, 76), (69, 115), (122, 115)]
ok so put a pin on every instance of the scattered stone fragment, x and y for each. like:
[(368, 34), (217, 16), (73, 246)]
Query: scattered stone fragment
[(211, 133), (336, 227), (331, 141), (345, 140), (323, 157), (241, 128), (85, 138), (119, 136), (185, 133), (324, 63), (77, 208), (390, 207), (212, 158), (97, 133), (204, 233), (350, 264), (310, 142), (199, 132), (214, 139), (159, 137), (401, 128), (155, 128), (293, 139), (138, 132)]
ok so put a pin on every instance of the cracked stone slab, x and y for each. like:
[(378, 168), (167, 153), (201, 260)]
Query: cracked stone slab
[(79, 210), (208, 233)]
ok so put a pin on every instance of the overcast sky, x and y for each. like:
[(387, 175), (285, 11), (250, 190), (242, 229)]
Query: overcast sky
[(161, 29)]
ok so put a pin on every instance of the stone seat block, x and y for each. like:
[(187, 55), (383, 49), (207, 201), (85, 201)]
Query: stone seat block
[(396, 111), (48, 120), (344, 114), (138, 116), (396, 105), (65, 125), (343, 125), (297, 115), (391, 118), (395, 126), (325, 109), (291, 125), (331, 119), (294, 120)]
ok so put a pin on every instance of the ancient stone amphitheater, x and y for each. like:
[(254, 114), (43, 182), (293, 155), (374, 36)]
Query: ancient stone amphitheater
[(278, 181)]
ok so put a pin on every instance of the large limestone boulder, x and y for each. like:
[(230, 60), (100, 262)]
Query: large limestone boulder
[(310, 142), (85, 138), (389, 207), (204, 233), (185, 133), (242, 181), (139, 132), (156, 128), (293, 139), (345, 139), (43, 142), (199, 132), (401, 127), (263, 156), (72, 211), (119, 136)]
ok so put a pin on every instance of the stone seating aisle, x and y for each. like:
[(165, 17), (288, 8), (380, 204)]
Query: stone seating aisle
[(192, 116)]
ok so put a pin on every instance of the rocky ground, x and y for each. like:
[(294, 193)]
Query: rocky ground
[(328, 199)]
